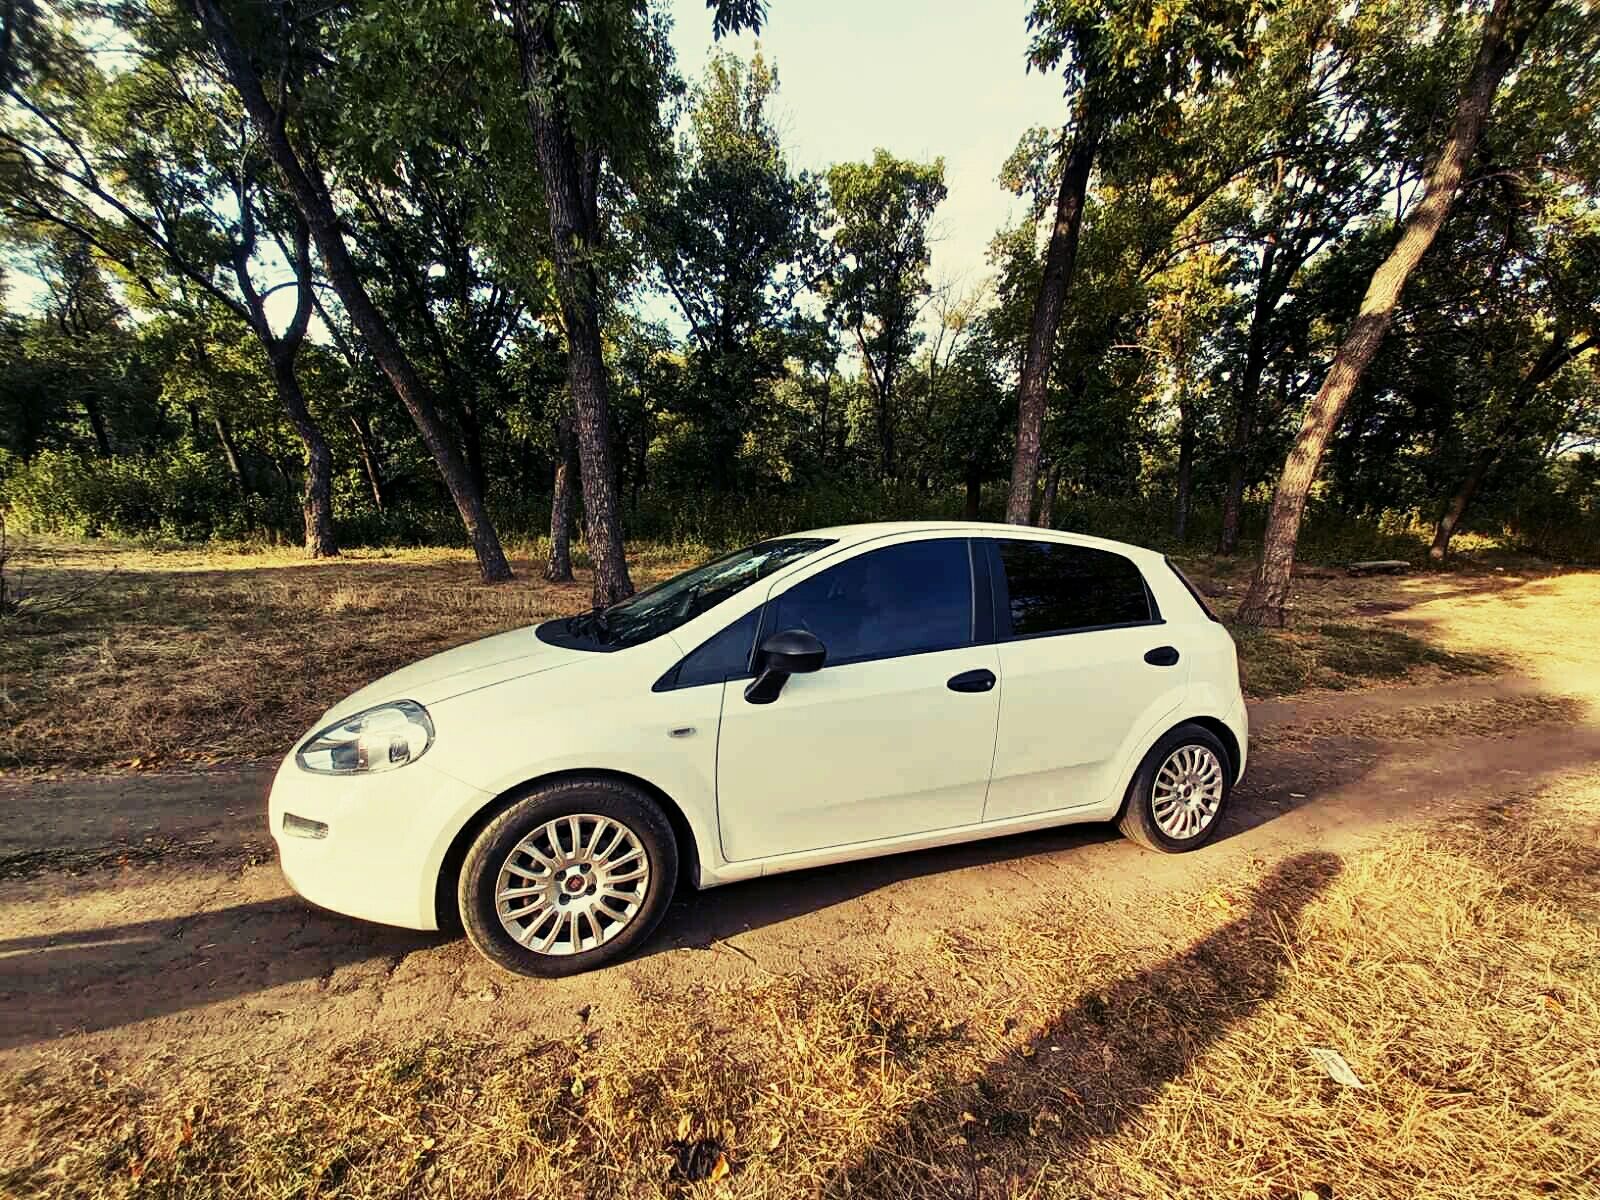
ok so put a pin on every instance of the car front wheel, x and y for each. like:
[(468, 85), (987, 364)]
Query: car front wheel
[(1177, 796), (572, 876)]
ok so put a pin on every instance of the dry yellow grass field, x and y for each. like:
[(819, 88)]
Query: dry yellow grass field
[(193, 655)]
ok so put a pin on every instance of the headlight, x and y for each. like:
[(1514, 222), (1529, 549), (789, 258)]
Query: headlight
[(378, 739)]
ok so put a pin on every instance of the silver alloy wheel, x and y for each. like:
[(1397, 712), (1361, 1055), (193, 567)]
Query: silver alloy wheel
[(1187, 792), (572, 884)]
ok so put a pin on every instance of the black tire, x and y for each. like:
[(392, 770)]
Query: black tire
[(1138, 819), (488, 855)]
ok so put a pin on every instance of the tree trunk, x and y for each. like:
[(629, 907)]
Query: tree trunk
[(886, 428), (558, 569), (573, 237), (1450, 520), (822, 422), (316, 497), (97, 425), (641, 459), (472, 442), (311, 197), (1556, 356), (969, 510), (230, 452), (1244, 418), (881, 376), (362, 424), (1267, 601), (1047, 308), (1185, 489), (1047, 505)]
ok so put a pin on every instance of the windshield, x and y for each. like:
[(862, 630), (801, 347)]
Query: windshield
[(666, 606)]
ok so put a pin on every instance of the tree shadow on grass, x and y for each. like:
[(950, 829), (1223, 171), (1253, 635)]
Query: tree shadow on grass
[(1097, 1063)]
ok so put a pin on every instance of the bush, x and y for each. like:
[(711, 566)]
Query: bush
[(181, 495)]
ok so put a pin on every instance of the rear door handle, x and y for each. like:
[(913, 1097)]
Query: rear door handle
[(1162, 656), (972, 681)]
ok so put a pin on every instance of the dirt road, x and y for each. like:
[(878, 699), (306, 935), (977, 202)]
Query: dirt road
[(143, 914)]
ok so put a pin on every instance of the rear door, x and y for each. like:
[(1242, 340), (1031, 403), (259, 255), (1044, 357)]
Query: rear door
[(894, 735), (1075, 625)]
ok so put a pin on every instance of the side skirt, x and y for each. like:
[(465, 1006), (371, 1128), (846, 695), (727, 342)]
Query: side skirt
[(1081, 814)]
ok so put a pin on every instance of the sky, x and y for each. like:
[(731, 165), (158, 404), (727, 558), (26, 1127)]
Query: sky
[(919, 78)]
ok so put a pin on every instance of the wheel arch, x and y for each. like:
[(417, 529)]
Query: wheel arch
[(444, 894), (1230, 743), (1212, 725)]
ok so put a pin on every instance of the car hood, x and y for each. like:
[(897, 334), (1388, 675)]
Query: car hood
[(479, 664)]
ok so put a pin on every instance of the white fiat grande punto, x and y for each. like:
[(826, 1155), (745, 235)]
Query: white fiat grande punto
[(833, 695)]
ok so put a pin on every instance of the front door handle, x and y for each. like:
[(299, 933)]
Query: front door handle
[(1162, 656), (972, 681)]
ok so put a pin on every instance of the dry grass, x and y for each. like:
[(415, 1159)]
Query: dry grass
[(1500, 716), (1064, 1055), (185, 656), (192, 655)]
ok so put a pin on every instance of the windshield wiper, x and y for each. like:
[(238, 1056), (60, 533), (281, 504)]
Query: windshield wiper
[(593, 623)]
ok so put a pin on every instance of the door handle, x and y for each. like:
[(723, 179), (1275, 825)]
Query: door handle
[(972, 681), (1162, 656)]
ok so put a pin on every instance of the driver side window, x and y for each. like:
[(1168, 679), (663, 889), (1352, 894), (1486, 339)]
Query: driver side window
[(907, 599)]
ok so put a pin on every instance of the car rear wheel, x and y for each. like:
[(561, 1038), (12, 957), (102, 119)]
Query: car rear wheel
[(572, 876), (1178, 794)]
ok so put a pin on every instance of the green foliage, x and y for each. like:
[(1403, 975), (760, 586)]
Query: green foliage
[(881, 211), (733, 234), (182, 495), (1254, 160)]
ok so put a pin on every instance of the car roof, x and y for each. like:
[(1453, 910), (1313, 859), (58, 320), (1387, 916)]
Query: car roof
[(872, 530)]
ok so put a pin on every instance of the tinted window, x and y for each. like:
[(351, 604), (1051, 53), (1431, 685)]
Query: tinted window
[(1054, 588), (899, 600), (721, 656)]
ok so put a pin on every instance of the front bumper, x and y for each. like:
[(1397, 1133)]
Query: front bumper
[(386, 838)]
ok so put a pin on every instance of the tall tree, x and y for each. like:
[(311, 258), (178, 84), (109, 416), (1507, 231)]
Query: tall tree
[(881, 213), (1506, 29), (149, 170), (593, 77), (303, 181), (1561, 350), (1127, 71), (733, 235)]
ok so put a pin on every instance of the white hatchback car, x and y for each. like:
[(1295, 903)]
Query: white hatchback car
[(812, 699)]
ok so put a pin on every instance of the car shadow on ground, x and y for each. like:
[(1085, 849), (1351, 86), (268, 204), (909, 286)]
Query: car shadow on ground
[(88, 980), (1100, 1060)]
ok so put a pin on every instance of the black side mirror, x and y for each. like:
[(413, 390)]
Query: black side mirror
[(792, 652)]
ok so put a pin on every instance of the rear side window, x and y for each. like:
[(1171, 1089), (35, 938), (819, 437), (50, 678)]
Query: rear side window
[(904, 599), (1055, 588)]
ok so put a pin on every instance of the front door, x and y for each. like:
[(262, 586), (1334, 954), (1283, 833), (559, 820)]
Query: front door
[(878, 743)]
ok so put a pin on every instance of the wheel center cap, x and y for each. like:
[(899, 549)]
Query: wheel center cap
[(574, 883)]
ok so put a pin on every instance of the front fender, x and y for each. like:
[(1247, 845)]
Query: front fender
[(504, 737)]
